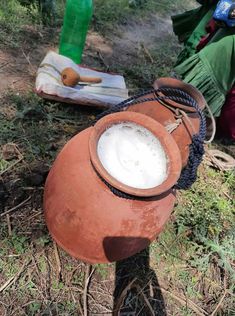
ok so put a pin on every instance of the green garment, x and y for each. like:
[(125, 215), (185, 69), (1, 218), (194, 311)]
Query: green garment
[(185, 23), (212, 70), (190, 27)]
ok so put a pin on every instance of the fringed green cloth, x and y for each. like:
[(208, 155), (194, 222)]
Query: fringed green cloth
[(212, 70)]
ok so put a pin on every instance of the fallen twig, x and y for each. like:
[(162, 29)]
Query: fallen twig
[(15, 278), (218, 286), (33, 71), (121, 297), (4, 65), (57, 258), (15, 207), (9, 225), (219, 304), (88, 276), (5, 285), (77, 302), (147, 53), (146, 300), (35, 215), (19, 156), (103, 61), (198, 310), (80, 307), (227, 195), (11, 166)]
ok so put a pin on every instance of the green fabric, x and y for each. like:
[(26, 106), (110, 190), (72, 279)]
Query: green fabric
[(212, 70), (190, 27), (193, 40), (185, 23)]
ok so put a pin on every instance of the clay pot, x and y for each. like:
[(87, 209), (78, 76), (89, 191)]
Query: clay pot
[(86, 218), (179, 84), (190, 125)]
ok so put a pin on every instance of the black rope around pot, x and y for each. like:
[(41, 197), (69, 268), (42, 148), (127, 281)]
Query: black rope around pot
[(196, 149)]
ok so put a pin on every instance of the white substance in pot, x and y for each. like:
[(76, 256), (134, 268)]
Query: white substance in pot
[(132, 155)]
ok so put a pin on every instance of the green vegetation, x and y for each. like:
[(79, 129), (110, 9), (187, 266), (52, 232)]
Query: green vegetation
[(197, 249), (16, 16), (107, 13), (13, 18), (37, 125)]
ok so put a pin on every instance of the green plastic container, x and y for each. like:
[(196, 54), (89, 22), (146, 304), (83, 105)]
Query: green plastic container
[(77, 17)]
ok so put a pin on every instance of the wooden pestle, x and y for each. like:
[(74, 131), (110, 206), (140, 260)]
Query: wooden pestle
[(71, 78)]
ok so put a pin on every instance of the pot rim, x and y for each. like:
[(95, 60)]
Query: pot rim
[(167, 141), (168, 82)]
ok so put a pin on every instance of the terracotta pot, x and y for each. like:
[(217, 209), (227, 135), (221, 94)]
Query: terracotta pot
[(190, 125), (179, 84), (86, 218)]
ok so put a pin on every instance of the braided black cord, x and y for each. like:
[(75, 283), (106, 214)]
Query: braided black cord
[(182, 98), (122, 194), (196, 149)]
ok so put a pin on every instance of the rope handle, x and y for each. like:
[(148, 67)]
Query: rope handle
[(210, 140), (183, 97)]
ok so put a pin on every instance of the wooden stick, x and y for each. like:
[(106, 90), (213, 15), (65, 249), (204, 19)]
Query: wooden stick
[(4, 65), (5, 285), (198, 310), (146, 300), (20, 158), (217, 285), (11, 166), (33, 71), (15, 278), (147, 53), (57, 257), (103, 61), (121, 297), (80, 307), (88, 276), (9, 225), (35, 215), (15, 207), (227, 195), (219, 304)]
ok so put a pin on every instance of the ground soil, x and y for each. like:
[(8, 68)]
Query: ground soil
[(18, 66)]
